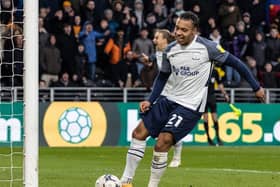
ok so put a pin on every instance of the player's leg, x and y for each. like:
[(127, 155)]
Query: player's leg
[(206, 127), (135, 152), (180, 122), (152, 123), (213, 109), (159, 163), (176, 160), (216, 127)]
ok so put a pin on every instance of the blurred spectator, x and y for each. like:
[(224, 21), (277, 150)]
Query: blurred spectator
[(89, 13), (130, 71), (77, 4), (43, 34), (172, 22), (82, 61), (64, 81), (273, 47), (52, 5), (112, 24), (101, 6), (243, 39), (206, 29), (252, 65), (131, 28), (102, 60), (67, 45), (160, 13), (178, 8), (69, 12), (56, 23), (257, 11), (229, 14), (151, 24), (249, 28), (208, 7), (67, 7), (46, 16), (231, 44), (149, 73), (268, 77), (77, 26), (142, 45), (116, 48), (118, 11), (88, 37), (215, 36), (139, 12), (258, 49), (76, 81), (42, 84), (50, 61), (160, 9)]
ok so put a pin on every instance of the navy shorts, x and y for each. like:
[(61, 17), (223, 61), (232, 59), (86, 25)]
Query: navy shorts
[(168, 116)]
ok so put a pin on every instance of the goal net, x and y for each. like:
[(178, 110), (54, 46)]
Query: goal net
[(16, 157)]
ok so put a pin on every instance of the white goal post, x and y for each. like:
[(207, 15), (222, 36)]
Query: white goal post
[(31, 105)]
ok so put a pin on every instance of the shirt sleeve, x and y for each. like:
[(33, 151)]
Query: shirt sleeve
[(215, 51), (166, 67)]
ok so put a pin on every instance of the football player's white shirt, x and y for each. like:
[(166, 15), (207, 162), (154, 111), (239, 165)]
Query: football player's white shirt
[(190, 68)]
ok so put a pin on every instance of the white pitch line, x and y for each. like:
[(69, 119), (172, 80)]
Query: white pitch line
[(230, 170)]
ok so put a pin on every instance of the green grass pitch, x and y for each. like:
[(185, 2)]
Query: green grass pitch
[(201, 167), (255, 166)]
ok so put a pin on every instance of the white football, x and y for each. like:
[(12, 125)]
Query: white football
[(108, 180)]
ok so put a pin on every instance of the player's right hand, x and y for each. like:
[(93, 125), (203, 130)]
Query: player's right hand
[(145, 58), (144, 106)]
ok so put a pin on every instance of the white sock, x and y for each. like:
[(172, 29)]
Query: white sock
[(158, 167), (178, 150), (134, 156)]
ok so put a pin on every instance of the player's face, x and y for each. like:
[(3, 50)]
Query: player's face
[(184, 31), (159, 41)]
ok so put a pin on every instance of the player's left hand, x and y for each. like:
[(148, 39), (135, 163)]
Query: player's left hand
[(260, 94), (144, 106)]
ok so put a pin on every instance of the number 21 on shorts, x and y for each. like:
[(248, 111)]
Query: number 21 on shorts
[(175, 121)]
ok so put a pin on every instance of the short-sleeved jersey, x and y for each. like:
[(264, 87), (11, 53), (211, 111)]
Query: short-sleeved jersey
[(190, 67)]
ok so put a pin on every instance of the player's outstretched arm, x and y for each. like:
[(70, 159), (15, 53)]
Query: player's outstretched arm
[(247, 74)]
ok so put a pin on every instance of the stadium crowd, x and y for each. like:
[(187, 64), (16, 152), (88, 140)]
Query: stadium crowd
[(101, 42)]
